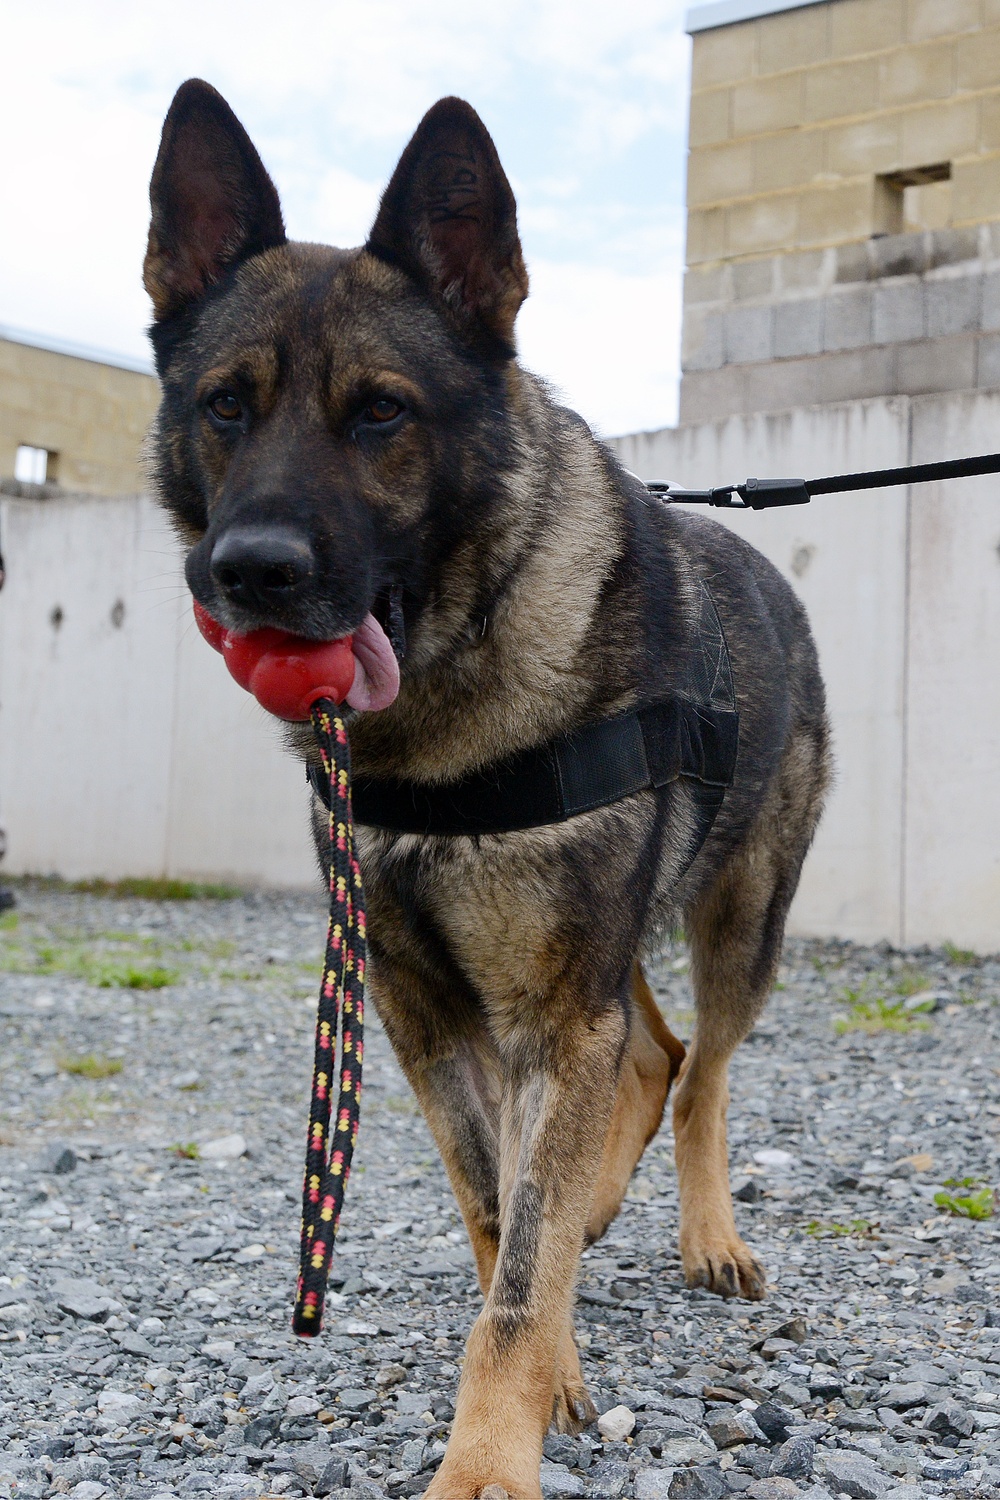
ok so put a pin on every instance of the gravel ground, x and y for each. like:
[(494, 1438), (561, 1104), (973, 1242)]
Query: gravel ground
[(154, 1076)]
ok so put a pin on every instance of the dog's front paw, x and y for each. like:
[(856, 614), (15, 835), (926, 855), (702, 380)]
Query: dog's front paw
[(454, 1484), (726, 1266)]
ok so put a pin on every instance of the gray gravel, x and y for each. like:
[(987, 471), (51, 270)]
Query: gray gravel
[(145, 1294)]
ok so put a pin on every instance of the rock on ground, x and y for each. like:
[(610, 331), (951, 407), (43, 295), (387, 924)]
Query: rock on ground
[(154, 1080)]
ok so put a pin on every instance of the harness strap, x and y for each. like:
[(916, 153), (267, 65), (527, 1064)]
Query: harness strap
[(597, 765)]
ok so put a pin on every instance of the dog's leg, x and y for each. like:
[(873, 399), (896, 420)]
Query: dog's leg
[(651, 1062), (555, 1114), (736, 930)]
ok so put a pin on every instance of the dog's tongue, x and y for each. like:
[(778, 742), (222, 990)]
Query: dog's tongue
[(376, 670)]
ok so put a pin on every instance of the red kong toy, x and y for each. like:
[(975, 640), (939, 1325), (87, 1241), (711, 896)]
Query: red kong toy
[(288, 673)]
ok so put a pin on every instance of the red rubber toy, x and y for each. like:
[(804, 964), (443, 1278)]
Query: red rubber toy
[(286, 673)]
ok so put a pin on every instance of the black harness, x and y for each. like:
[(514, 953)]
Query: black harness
[(692, 734)]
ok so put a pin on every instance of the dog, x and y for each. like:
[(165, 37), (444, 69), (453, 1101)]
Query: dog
[(339, 428)]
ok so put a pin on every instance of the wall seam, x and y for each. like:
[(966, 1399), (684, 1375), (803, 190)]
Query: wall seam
[(905, 706)]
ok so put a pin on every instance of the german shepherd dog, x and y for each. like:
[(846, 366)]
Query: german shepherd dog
[(336, 424)]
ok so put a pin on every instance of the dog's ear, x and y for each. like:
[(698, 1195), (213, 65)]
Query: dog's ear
[(213, 203), (448, 217)]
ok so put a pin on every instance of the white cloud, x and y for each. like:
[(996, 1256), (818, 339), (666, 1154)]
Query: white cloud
[(607, 341)]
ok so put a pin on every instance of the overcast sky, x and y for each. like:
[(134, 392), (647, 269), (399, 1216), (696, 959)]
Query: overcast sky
[(586, 99)]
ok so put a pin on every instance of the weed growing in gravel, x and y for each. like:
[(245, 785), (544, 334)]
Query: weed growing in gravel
[(977, 1204), (860, 1227), (963, 956), (90, 1065), (187, 1149), (8, 922), (871, 1012)]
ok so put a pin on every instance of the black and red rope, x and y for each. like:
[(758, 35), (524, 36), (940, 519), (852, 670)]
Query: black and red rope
[(342, 997)]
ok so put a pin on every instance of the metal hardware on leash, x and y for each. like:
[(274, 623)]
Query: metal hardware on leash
[(767, 494), (329, 1147)]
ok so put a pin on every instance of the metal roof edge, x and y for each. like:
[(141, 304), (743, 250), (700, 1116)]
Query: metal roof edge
[(728, 12), (76, 351)]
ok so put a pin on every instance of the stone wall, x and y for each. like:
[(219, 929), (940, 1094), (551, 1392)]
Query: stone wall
[(91, 415), (845, 161)]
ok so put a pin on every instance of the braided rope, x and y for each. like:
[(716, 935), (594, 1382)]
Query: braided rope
[(342, 995)]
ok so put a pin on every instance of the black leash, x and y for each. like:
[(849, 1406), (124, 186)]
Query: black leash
[(765, 494)]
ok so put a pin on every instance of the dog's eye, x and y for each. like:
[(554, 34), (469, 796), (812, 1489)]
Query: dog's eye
[(382, 410), (225, 407)]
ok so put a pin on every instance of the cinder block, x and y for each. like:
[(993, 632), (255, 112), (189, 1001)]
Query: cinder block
[(753, 278), (722, 55), (706, 284), (706, 396), (853, 262), (767, 104), (989, 318), (854, 374), (748, 335), (870, 145), (840, 89), (719, 172), (899, 255), (988, 362), (835, 214), (847, 320), (898, 312), (915, 74), (701, 342), (865, 26), (977, 60), (940, 132), (763, 223), (798, 328), (928, 207), (793, 39), (706, 235), (936, 365), (989, 122), (791, 159), (975, 188), (949, 247), (803, 270), (952, 305), (930, 18), (708, 122)]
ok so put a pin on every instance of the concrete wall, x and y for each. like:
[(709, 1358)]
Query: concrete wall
[(903, 590), (93, 415), (843, 205), (125, 747)]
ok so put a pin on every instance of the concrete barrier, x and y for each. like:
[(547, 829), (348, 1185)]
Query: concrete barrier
[(126, 750)]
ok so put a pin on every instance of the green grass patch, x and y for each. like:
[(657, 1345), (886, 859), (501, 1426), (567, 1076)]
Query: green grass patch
[(963, 956), (91, 1065), (860, 1227), (156, 890), (974, 1203), (870, 1013)]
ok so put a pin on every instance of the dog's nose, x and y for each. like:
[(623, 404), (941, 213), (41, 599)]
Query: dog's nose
[(261, 565)]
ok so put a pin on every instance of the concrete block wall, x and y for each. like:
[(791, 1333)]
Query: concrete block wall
[(905, 314), (815, 228), (92, 414)]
